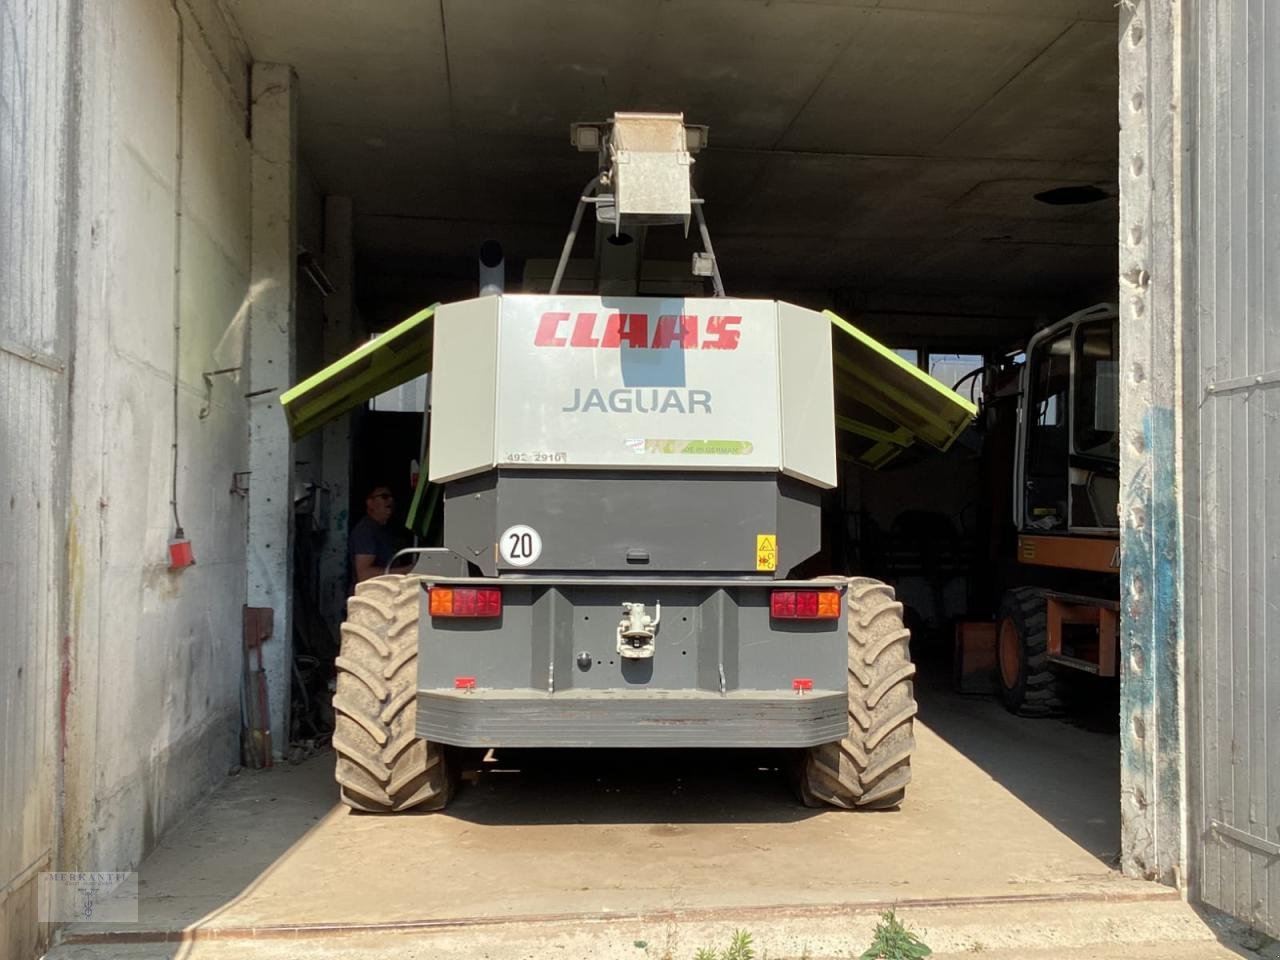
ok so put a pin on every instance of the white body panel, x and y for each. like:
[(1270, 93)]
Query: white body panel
[(632, 383), (463, 388), (806, 398), (638, 382)]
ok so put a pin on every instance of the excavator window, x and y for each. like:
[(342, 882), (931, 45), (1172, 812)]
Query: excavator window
[(1097, 402), (1095, 484), (1048, 441)]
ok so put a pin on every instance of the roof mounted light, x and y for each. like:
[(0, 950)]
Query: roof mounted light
[(591, 136), (586, 136)]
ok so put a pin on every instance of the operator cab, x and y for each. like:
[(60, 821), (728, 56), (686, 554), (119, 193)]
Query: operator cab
[(1068, 427), (1060, 608)]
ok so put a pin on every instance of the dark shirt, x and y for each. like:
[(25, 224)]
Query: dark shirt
[(370, 537)]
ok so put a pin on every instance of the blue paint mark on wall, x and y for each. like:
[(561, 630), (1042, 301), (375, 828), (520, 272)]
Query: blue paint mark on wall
[(1151, 727)]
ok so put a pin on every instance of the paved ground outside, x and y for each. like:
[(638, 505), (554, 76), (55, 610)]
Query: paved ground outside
[(1004, 847)]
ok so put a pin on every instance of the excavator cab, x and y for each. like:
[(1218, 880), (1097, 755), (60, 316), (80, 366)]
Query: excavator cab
[(1061, 608), (1068, 430)]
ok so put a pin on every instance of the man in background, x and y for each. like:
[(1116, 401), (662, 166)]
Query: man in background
[(370, 545)]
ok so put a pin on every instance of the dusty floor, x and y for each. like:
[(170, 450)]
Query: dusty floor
[(1006, 842)]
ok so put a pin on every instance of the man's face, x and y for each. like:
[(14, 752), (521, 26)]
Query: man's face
[(380, 504)]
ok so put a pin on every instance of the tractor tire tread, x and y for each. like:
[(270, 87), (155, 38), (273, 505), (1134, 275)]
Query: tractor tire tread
[(871, 767), (382, 766)]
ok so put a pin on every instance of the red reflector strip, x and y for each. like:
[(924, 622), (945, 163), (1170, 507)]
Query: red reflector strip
[(805, 604), (802, 683), (464, 683), (465, 602)]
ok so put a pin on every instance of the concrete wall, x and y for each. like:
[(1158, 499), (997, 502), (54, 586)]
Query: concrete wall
[(152, 656), (342, 333), (309, 451)]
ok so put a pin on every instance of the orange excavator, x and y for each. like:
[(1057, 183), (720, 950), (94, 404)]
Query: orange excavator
[(1061, 603)]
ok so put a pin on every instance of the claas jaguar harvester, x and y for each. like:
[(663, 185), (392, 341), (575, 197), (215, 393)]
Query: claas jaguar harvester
[(629, 485)]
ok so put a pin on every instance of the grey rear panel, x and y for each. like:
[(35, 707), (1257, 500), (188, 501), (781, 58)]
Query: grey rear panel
[(547, 672), (637, 522), (599, 719)]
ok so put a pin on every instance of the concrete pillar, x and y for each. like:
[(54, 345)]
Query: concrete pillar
[(271, 371), (1153, 194), (339, 333)]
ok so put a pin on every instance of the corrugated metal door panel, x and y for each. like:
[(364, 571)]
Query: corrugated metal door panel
[(31, 184), (1267, 265), (30, 534), (1269, 782), (1234, 376), (33, 443)]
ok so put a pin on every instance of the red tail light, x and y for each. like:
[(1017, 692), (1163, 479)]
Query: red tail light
[(465, 602), (805, 604)]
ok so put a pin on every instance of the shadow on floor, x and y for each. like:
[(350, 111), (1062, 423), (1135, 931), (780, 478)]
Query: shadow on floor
[(243, 858), (1237, 936), (528, 787), (233, 840), (1065, 769)]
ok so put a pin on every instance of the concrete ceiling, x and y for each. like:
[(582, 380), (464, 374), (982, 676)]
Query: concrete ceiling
[(859, 146)]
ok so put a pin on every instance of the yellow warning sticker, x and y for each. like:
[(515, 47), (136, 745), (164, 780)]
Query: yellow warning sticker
[(766, 551)]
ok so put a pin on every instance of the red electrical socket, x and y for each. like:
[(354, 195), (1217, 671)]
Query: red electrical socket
[(180, 554)]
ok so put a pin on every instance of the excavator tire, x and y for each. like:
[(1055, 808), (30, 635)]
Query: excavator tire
[(871, 767), (1028, 685), (382, 765)]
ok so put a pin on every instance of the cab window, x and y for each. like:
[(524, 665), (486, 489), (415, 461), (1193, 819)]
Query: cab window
[(1047, 438), (1097, 403)]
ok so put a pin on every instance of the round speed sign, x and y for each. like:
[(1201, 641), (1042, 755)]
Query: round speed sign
[(520, 545)]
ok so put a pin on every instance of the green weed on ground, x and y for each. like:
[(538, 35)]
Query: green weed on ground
[(740, 948), (893, 941)]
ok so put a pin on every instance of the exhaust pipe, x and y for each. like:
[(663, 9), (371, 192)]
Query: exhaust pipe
[(493, 269)]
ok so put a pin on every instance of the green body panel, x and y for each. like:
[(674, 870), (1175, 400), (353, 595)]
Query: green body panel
[(884, 404), (396, 357)]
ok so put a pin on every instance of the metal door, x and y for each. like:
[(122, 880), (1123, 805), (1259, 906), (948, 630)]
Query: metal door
[(34, 291), (1232, 364)]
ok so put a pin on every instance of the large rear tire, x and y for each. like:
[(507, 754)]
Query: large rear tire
[(382, 766), (1028, 685), (871, 767)]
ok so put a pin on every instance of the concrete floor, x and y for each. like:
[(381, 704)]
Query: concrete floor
[(1005, 842)]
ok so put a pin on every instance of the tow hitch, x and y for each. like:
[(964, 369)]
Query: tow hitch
[(636, 630)]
